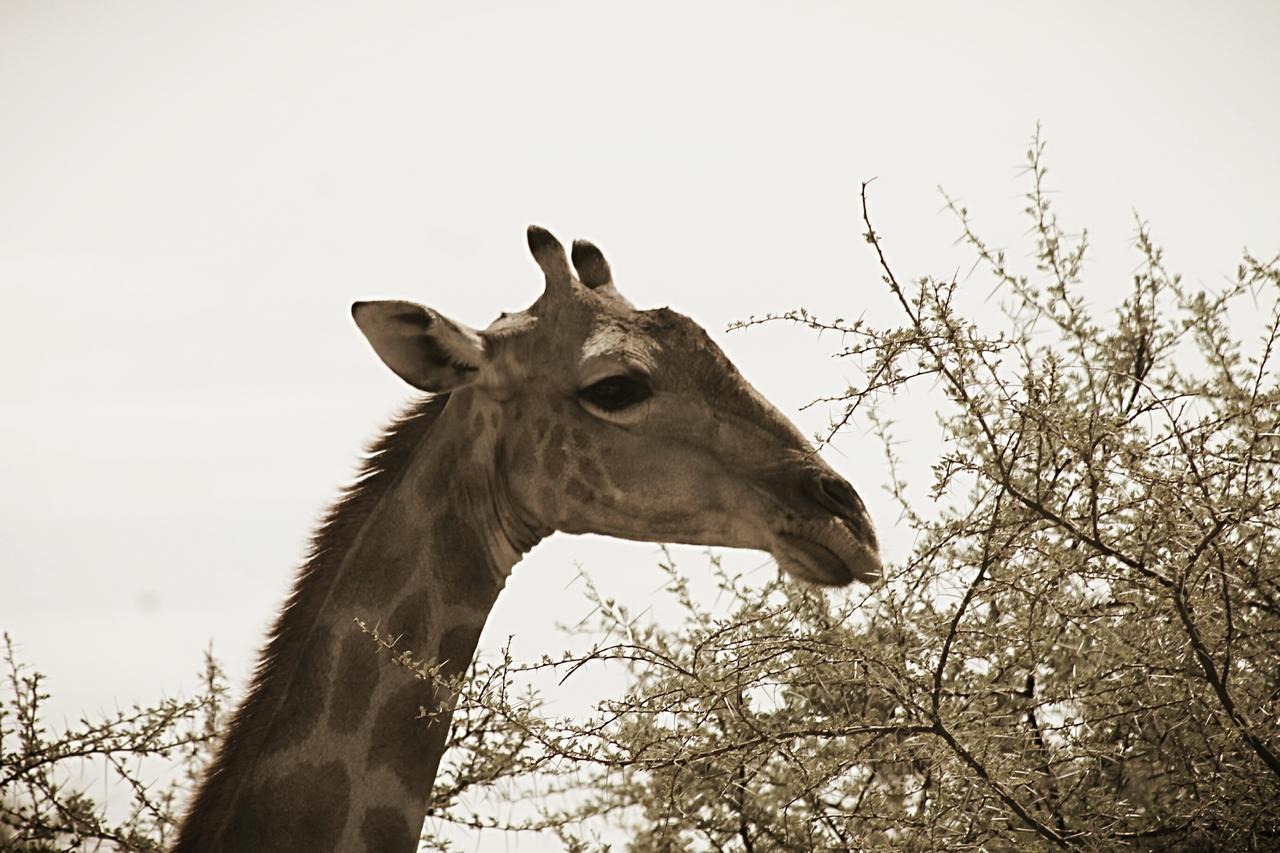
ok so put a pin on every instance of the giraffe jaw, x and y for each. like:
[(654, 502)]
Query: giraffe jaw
[(827, 557)]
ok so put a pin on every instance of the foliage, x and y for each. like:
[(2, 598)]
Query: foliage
[(1081, 651), (42, 807)]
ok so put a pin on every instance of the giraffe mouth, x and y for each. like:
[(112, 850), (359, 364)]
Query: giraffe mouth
[(829, 555)]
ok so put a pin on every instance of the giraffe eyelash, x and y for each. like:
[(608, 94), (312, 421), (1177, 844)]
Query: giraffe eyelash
[(616, 393)]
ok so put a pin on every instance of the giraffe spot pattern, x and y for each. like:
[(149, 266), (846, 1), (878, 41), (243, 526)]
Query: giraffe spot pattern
[(359, 671), (553, 455), (462, 403), (305, 810), (449, 449), (469, 580), (385, 828), (411, 621), (578, 490), (457, 647), (389, 567), (591, 471), (405, 743), (304, 701)]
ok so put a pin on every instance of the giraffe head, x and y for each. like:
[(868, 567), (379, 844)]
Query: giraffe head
[(587, 415)]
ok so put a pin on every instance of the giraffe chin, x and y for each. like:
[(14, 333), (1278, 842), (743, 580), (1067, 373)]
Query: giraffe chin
[(827, 563)]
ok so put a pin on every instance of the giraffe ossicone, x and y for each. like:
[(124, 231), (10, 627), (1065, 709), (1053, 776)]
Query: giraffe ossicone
[(581, 414)]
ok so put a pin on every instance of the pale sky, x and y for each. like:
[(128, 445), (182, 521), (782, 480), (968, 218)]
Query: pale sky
[(191, 196)]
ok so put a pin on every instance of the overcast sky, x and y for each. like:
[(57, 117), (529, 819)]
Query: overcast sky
[(191, 196)]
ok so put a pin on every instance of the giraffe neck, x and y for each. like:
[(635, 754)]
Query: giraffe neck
[(330, 750)]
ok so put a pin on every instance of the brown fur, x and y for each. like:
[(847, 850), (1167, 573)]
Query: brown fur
[(281, 663), (406, 743), (306, 810), (359, 674), (386, 828)]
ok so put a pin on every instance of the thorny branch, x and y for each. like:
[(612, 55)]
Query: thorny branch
[(1105, 518), (1078, 650)]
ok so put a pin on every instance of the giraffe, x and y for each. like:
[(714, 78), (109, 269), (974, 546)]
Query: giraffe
[(580, 414)]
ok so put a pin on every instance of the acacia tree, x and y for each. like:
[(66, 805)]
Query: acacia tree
[(1082, 650), (45, 804)]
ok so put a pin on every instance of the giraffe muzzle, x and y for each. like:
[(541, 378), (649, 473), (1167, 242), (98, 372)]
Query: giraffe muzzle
[(834, 543), (840, 499)]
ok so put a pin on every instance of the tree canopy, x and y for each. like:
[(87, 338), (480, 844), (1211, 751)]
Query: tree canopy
[(1081, 650)]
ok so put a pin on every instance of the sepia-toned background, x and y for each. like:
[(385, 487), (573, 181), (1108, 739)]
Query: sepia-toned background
[(191, 196)]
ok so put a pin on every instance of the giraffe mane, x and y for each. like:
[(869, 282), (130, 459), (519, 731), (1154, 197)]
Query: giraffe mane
[(384, 460)]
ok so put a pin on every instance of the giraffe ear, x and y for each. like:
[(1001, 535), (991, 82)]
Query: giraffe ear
[(424, 348)]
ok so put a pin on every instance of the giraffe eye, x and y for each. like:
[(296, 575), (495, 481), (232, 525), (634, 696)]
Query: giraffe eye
[(615, 393)]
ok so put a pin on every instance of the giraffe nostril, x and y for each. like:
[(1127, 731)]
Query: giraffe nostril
[(838, 497)]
